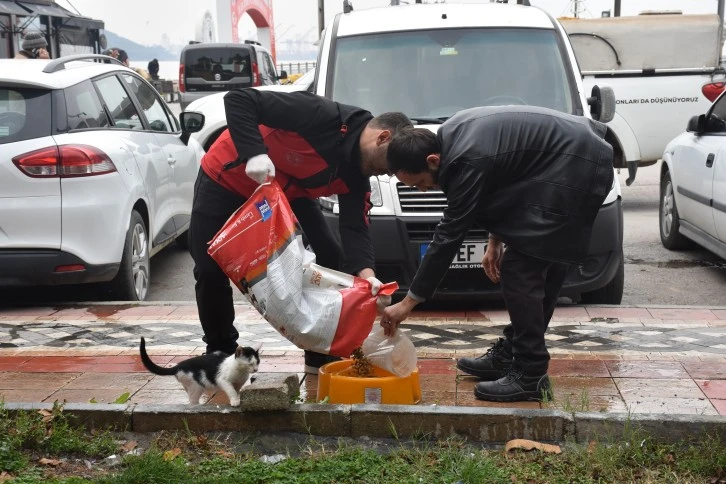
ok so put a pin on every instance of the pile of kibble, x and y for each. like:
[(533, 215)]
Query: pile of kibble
[(362, 366)]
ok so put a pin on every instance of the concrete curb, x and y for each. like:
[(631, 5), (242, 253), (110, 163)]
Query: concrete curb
[(486, 425), (243, 303)]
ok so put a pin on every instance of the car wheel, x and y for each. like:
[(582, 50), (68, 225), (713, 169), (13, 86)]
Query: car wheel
[(670, 235), (132, 281), (213, 138), (612, 293)]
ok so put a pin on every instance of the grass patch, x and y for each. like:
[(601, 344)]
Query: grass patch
[(50, 447)]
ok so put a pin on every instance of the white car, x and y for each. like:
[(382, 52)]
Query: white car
[(96, 174), (693, 184), (213, 108)]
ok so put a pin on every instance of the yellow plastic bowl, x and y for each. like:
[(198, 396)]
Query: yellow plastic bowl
[(336, 383)]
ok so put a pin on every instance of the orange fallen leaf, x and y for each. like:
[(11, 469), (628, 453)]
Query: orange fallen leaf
[(225, 453), (525, 444), (49, 462), (591, 447), (172, 454), (129, 446)]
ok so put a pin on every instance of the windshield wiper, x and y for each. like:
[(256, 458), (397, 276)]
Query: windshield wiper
[(429, 119)]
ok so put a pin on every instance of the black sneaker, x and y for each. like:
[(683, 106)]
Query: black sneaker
[(314, 360), (492, 365), (515, 386)]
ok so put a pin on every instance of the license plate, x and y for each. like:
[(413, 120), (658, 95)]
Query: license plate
[(469, 256)]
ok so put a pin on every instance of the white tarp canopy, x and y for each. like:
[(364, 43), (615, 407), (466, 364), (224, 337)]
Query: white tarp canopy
[(645, 42)]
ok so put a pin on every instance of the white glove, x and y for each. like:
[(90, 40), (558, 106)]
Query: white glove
[(259, 167), (381, 301), (375, 285)]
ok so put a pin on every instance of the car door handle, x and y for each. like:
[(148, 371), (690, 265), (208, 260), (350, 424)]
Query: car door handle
[(171, 160), (709, 159)]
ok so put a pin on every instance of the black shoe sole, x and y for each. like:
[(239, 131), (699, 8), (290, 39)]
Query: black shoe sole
[(516, 397), (482, 375)]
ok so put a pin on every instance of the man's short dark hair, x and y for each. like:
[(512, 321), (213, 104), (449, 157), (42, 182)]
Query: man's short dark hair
[(394, 122), (409, 148), (122, 55)]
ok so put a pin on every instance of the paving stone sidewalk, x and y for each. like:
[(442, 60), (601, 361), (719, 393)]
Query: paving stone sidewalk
[(606, 359)]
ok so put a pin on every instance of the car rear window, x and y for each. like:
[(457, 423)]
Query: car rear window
[(24, 114), (217, 64)]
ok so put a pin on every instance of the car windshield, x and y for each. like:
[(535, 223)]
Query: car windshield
[(218, 63), (431, 74)]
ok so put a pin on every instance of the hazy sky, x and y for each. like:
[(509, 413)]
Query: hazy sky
[(144, 21)]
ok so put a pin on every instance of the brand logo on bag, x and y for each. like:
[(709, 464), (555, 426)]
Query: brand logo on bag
[(264, 208)]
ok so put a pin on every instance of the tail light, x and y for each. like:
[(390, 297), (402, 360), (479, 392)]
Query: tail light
[(255, 74), (64, 161), (712, 90), (182, 87)]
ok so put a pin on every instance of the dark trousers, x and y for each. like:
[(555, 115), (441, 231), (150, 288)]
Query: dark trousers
[(213, 205), (530, 287)]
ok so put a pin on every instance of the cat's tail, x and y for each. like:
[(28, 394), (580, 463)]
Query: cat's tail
[(150, 365)]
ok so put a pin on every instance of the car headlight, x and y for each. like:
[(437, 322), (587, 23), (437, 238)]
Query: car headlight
[(329, 202), (376, 195)]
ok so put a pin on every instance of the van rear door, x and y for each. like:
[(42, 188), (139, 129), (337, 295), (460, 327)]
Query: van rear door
[(217, 68)]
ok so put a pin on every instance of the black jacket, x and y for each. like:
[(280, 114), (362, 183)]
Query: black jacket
[(533, 177), (314, 144)]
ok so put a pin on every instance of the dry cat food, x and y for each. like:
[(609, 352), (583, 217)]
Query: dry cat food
[(362, 366)]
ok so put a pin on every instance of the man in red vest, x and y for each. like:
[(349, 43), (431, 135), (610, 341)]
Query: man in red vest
[(313, 147)]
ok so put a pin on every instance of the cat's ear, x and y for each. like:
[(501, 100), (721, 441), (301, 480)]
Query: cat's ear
[(238, 352), (257, 347)]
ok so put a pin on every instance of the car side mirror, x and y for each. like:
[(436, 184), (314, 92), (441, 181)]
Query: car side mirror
[(283, 75), (602, 104), (191, 122), (697, 124)]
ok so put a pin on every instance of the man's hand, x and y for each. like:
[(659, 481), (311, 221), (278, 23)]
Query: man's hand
[(394, 315), (260, 167), (492, 260)]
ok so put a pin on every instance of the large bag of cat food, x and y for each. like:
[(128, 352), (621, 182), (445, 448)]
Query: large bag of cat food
[(261, 250)]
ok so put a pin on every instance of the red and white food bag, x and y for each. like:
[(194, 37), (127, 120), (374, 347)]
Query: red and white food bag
[(261, 250)]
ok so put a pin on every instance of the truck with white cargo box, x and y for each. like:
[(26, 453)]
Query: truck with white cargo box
[(663, 69), (430, 61)]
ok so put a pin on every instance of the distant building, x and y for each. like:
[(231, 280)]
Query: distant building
[(66, 32)]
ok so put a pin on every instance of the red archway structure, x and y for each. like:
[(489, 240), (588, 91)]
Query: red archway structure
[(261, 13)]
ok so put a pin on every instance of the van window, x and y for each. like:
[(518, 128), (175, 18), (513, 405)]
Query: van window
[(217, 64), (24, 114), (453, 69)]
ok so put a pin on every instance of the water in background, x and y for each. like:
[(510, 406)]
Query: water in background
[(170, 69)]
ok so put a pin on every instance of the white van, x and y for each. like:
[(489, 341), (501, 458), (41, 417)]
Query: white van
[(432, 60)]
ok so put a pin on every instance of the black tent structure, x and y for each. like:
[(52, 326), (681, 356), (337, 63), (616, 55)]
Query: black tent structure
[(66, 32)]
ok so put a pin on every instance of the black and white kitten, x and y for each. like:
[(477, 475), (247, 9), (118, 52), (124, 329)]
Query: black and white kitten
[(215, 371)]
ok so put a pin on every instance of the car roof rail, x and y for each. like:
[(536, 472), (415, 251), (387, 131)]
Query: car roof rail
[(252, 42), (59, 64)]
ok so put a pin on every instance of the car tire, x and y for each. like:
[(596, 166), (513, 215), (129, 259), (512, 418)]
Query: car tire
[(612, 293), (133, 278), (668, 221), (213, 138)]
